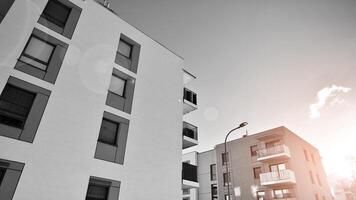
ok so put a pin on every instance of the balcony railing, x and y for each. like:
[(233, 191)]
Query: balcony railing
[(273, 152), (190, 135), (189, 172), (277, 177)]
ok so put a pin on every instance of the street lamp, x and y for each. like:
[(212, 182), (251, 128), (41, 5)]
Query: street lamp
[(225, 156)]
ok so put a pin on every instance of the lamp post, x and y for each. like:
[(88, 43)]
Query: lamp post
[(225, 156)]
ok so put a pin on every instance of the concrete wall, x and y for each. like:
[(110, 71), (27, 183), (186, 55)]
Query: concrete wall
[(60, 161), (205, 159)]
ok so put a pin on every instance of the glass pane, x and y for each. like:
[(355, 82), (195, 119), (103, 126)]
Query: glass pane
[(278, 194), (281, 166), (97, 192), (117, 85), (39, 50), (125, 48), (2, 173), (108, 132), (57, 12)]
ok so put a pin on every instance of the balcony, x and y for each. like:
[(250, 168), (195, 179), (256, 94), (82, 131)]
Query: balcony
[(189, 101), (275, 152), (189, 176), (190, 135), (277, 178)]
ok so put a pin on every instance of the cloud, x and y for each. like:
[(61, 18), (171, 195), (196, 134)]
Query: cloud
[(323, 95)]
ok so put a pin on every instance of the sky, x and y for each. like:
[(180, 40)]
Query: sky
[(271, 63)]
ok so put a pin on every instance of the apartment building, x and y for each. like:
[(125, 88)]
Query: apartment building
[(274, 164), (90, 106)]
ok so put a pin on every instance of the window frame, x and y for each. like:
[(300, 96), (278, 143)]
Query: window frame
[(253, 152), (6, 5), (225, 158), (28, 133), (227, 176), (125, 83), (71, 22), (12, 174), (56, 59), (114, 143), (49, 18), (213, 172), (214, 187), (128, 44), (130, 63), (257, 176), (113, 186)]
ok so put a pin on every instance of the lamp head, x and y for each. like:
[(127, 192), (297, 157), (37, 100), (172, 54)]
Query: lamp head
[(243, 124)]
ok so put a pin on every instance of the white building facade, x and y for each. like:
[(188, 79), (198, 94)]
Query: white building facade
[(90, 107)]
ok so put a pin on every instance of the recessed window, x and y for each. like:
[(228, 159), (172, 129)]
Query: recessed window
[(117, 85), (128, 53), (15, 105), (214, 192), (97, 192), (190, 96), (306, 155), (112, 138), (226, 179), (108, 132), (60, 16), (213, 172), (5, 6), (256, 172), (318, 179), (102, 189), (37, 53), (261, 195), (21, 108), (225, 158), (253, 150), (125, 48), (42, 56), (282, 193), (311, 177), (56, 12), (10, 173)]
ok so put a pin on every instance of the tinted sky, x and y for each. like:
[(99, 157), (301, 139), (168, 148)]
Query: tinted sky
[(263, 62)]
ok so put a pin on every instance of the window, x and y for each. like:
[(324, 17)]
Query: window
[(15, 105), (253, 150), (42, 56), (316, 197), (227, 179), (121, 91), (10, 173), (227, 197), (37, 53), (60, 16), (21, 108), (306, 155), (112, 138), (108, 132), (190, 96), (311, 177), (186, 191), (5, 6), (213, 172), (278, 167), (256, 172), (117, 85), (261, 195), (273, 144), (225, 158), (125, 48), (318, 179), (99, 189), (214, 192), (282, 193), (128, 53)]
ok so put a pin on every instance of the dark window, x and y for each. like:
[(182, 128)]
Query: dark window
[(227, 179), (102, 189), (125, 48), (97, 192), (37, 53), (2, 174), (225, 158), (253, 150), (56, 12), (190, 96), (214, 192), (15, 105), (213, 172), (128, 53), (5, 6), (256, 172), (108, 132)]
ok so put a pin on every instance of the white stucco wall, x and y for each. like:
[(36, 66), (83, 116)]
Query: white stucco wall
[(60, 161)]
